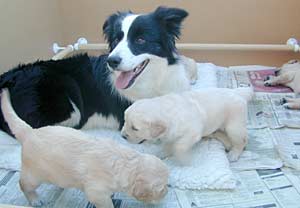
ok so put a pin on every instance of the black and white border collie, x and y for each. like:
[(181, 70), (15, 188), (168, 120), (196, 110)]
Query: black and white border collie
[(89, 92)]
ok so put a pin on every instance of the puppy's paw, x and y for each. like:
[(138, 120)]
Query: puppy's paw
[(267, 83), (168, 150), (286, 106), (181, 155), (282, 101), (233, 156), (183, 160), (37, 203), (193, 82), (267, 78)]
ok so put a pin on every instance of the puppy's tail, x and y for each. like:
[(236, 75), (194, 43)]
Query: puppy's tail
[(245, 92), (17, 126)]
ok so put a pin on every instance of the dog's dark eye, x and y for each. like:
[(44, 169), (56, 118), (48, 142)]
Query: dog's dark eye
[(117, 39), (140, 41), (133, 128)]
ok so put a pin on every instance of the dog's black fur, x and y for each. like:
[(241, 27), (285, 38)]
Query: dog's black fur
[(158, 30), (41, 92)]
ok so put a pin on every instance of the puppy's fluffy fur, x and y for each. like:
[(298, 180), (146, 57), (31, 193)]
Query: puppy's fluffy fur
[(69, 158), (191, 68), (288, 75), (181, 120)]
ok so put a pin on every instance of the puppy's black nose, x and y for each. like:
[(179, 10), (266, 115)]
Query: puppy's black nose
[(114, 61)]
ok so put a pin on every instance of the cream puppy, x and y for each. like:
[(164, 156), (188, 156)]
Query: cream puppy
[(191, 68), (181, 120), (288, 75), (69, 158)]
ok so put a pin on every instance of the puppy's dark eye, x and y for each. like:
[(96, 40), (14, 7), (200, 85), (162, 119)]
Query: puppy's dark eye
[(133, 128), (140, 41)]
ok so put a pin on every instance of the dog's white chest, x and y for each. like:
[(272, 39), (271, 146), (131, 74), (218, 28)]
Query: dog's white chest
[(99, 121)]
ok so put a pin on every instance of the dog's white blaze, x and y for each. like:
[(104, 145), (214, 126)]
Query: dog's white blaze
[(126, 24), (97, 120), (74, 118), (122, 49)]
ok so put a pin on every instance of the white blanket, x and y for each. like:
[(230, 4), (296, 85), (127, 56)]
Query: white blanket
[(208, 169)]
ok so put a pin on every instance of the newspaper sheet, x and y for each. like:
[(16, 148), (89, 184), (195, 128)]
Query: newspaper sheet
[(256, 189), (260, 152), (293, 176), (170, 201), (232, 79), (265, 110), (288, 146)]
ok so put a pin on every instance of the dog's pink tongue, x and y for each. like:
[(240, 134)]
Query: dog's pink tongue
[(123, 79)]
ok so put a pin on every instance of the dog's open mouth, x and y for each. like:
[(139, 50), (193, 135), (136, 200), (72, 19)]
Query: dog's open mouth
[(127, 78)]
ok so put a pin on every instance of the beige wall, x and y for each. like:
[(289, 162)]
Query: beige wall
[(210, 21), (29, 27)]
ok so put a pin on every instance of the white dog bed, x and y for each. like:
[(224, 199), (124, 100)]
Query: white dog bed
[(208, 169)]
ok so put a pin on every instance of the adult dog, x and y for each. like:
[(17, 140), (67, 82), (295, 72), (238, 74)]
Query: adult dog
[(89, 92)]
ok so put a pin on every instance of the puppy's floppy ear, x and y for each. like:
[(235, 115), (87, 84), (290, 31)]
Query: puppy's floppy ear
[(157, 128), (141, 191)]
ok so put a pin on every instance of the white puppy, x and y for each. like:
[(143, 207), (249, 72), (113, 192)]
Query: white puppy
[(191, 68), (69, 158), (288, 75), (181, 120)]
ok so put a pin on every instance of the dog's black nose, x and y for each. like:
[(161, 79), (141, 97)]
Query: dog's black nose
[(114, 61)]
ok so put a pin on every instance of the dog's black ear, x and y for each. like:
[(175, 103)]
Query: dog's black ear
[(111, 26), (171, 18), (108, 28)]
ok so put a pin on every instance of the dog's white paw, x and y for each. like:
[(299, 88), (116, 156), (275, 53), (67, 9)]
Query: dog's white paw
[(233, 156)]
